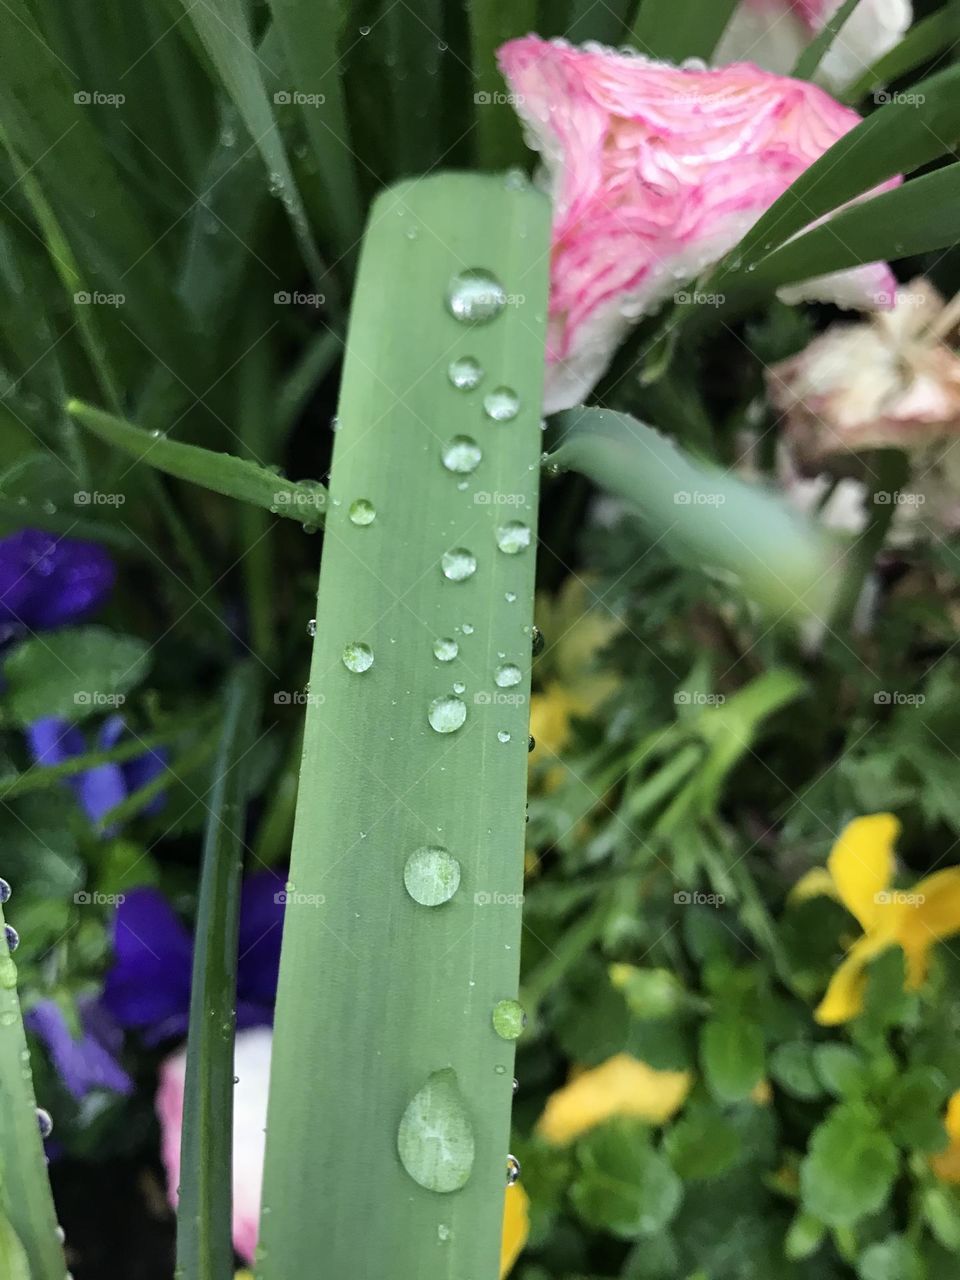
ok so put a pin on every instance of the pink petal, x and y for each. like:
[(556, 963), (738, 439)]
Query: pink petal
[(656, 172), (252, 1067)]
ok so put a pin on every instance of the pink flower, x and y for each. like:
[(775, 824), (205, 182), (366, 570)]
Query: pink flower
[(773, 34), (656, 173), (252, 1068)]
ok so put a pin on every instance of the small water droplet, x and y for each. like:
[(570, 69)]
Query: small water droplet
[(508, 1019), (5, 891), (500, 1069), (507, 675), (13, 938), (516, 180), (538, 641), (502, 404), (465, 373), (510, 597), (435, 1140), (461, 455), (475, 296), (431, 875), (8, 1018), (516, 1086), (362, 511), (502, 735), (276, 184), (513, 1170), (44, 1122), (513, 537), (312, 627), (445, 649), (358, 656), (446, 714), (459, 686), (364, 31), (458, 564), (467, 628)]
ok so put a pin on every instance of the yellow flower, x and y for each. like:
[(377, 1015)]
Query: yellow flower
[(861, 866), (516, 1227), (621, 1086), (946, 1165)]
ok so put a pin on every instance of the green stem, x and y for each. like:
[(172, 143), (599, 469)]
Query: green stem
[(891, 471)]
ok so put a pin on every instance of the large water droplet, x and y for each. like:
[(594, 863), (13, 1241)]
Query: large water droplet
[(44, 1122), (358, 656), (435, 1139), (513, 537), (5, 891), (462, 455), (475, 296), (501, 404), (13, 938), (445, 649), (362, 511), (458, 564), (431, 876), (507, 675), (502, 735), (513, 1170), (447, 714), (312, 627), (465, 373), (508, 1019)]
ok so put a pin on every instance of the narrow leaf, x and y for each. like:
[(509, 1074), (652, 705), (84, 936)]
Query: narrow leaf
[(222, 472), (678, 29), (924, 42), (809, 61), (492, 22)]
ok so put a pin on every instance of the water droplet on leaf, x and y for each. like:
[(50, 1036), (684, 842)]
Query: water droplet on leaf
[(501, 404), (44, 1122), (447, 714), (465, 373), (13, 938), (461, 455), (513, 1170), (431, 875), (507, 675), (513, 537), (5, 891), (475, 296), (358, 656), (502, 735), (508, 1019), (362, 512), (435, 1140), (458, 564), (445, 649)]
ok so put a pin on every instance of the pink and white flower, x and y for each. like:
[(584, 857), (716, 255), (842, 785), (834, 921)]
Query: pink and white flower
[(773, 34), (656, 172)]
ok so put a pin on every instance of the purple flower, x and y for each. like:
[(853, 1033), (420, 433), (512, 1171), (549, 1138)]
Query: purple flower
[(148, 987), (52, 741), (87, 1062), (47, 580)]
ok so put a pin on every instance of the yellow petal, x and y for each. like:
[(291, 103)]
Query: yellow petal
[(946, 1165), (861, 863), (844, 996), (550, 714), (927, 913), (621, 1086), (516, 1227), (816, 883)]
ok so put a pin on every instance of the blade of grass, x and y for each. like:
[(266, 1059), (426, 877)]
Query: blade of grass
[(809, 61), (678, 29), (204, 1237), (222, 472), (492, 22), (925, 41), (23, 1165), (378, 993)]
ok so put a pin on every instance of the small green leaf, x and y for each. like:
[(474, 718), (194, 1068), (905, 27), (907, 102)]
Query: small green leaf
[(913, 1109), (892, 1259), (73, 673), (849, 1169), (819, 46), (943, 1216), (731, 1052), (841, 1069), (792, 1067), (650, 993), (703, 1143), (435, 1138), (625, 1186), (804, 1237)]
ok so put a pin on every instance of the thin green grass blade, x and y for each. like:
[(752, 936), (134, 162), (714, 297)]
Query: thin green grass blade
[(678, 29), (605, 20), (492, 22), (204, 1238), (222, 472), (925, 41), (809, 61), (24, 1184), (381, 997), (307, 31), (704, 516)]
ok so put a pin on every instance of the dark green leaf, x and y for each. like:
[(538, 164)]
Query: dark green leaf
[(895, 1258), (731, 1053), (914, 1108), (792, 1067), (74, 673), (678, 29), (849, 1169), (841, 1069), (624, 1186)]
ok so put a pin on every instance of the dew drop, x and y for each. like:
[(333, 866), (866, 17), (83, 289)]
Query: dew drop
[(510, 597), (513, 537), (44, 1122), (500, 1069), (447, 714), (459, 686), (362, 512), (516, 1086), (465, 373), (431, 875), (507, 675), (475, 296), (5, 891), (445, 649), (538, 641), (467, 628), (513, 1170), (13, 938), (8, 1019), (508, 1019), (435, 1139), (443, 1232), (312, 627), (501, 404), (502, 735), (461, 455), (358, 656), (458, 564)]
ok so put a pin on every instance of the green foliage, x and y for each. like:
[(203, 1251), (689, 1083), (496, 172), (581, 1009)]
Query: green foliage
[(73, 674), (624, 1185)]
